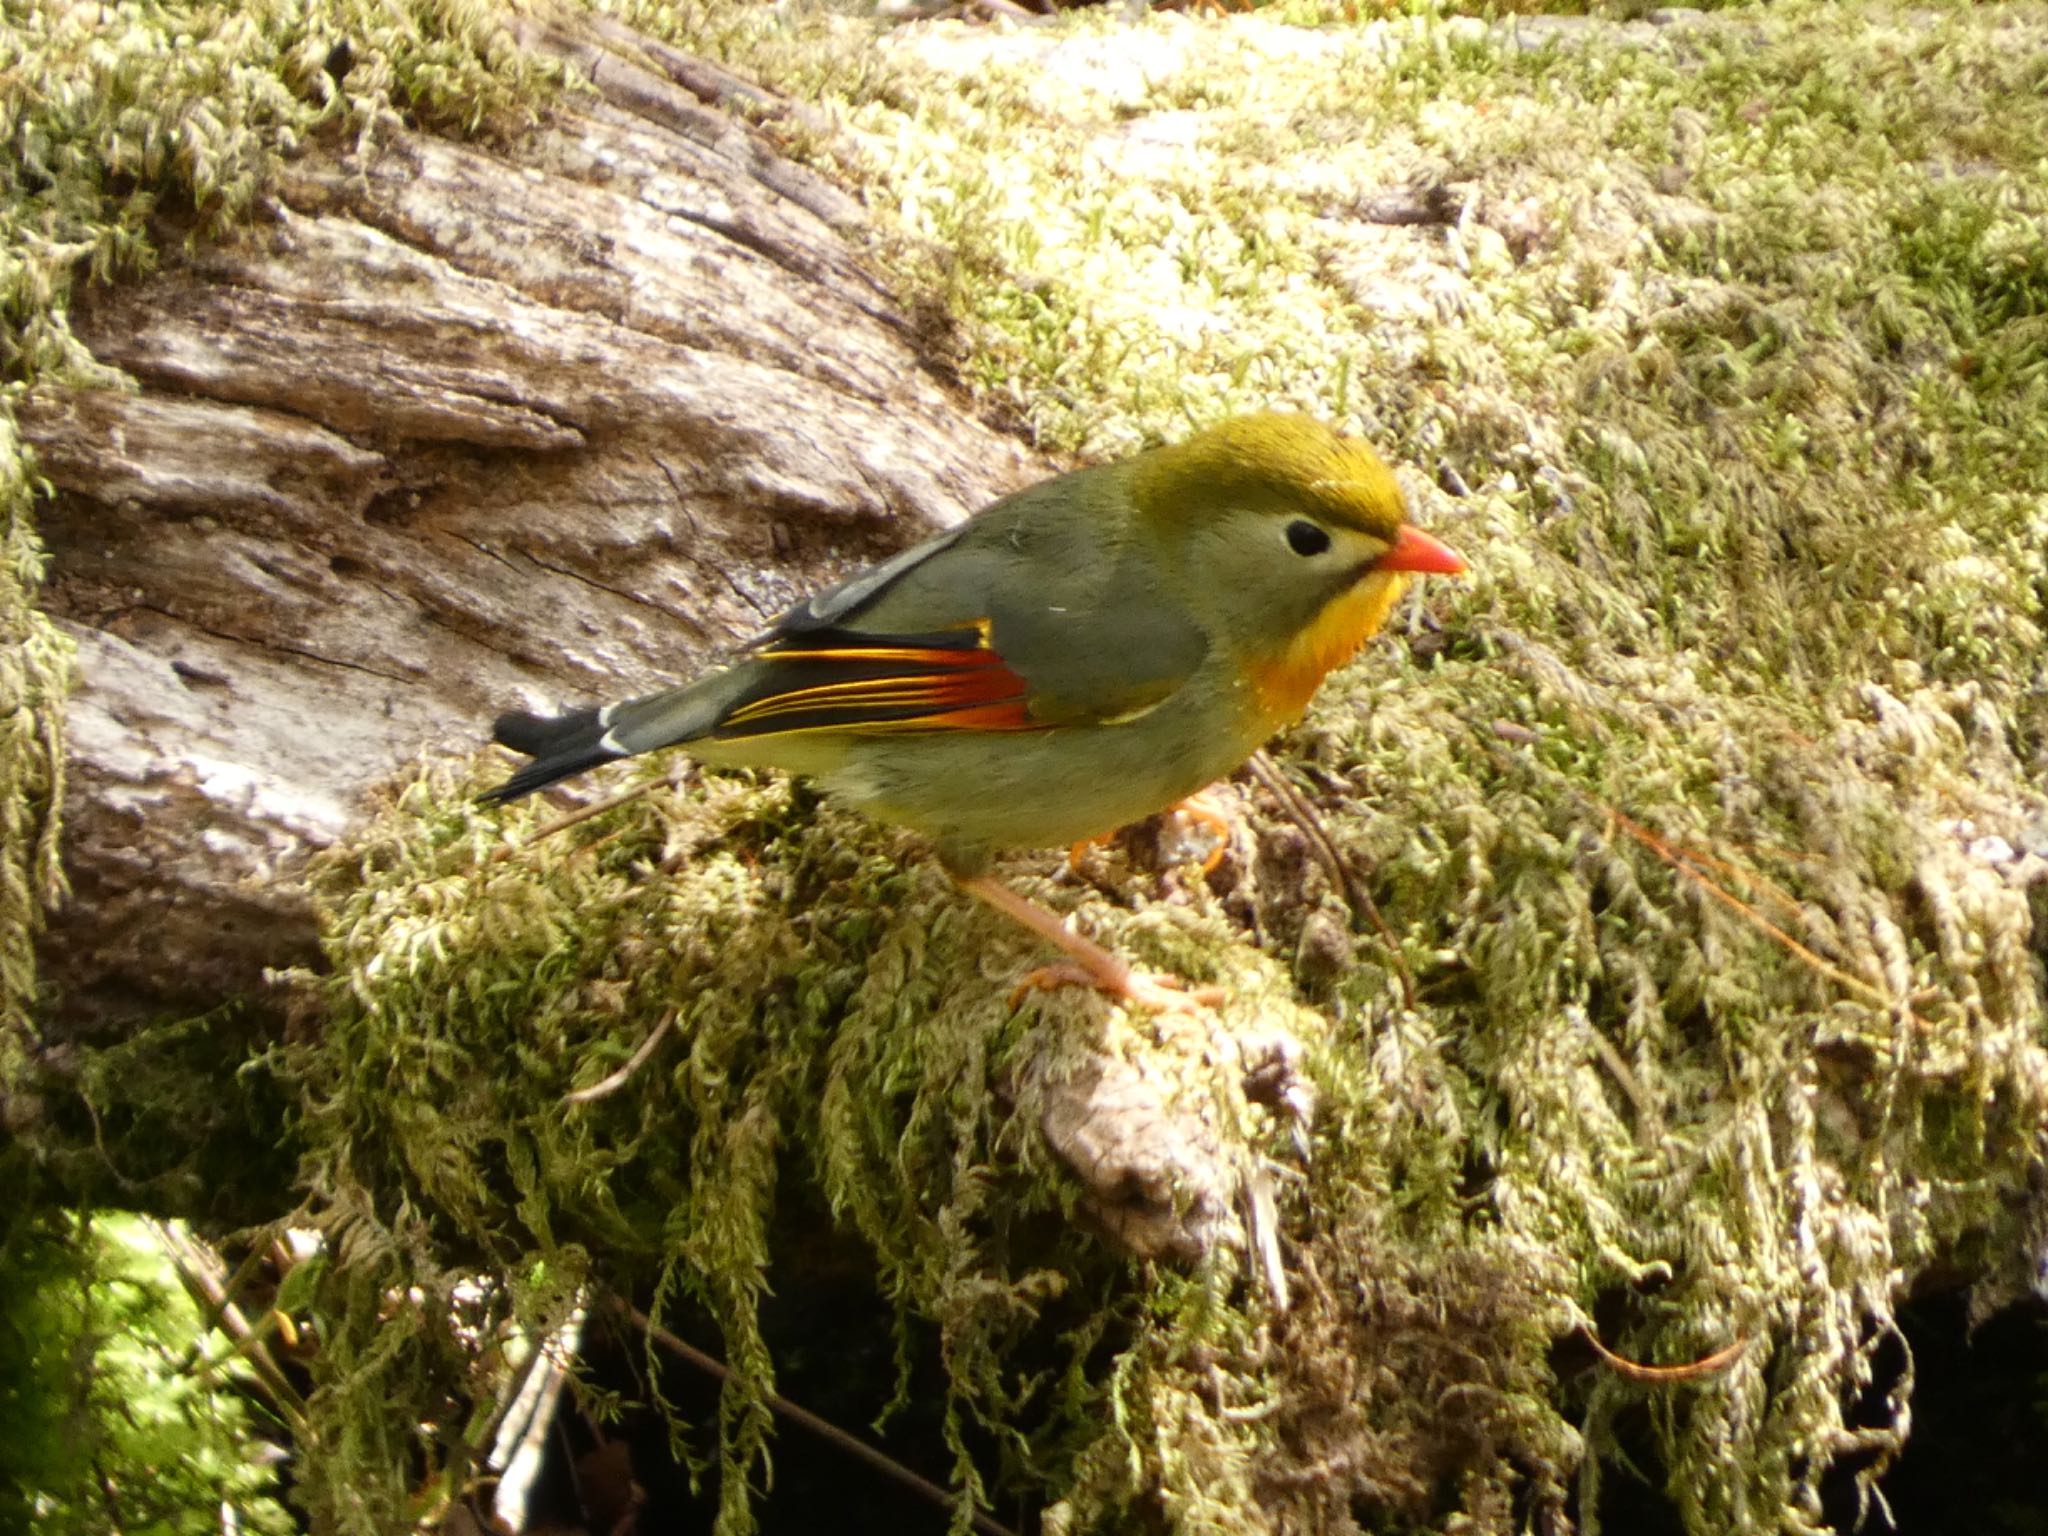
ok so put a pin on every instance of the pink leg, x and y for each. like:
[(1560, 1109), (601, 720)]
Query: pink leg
[(1092, 965)]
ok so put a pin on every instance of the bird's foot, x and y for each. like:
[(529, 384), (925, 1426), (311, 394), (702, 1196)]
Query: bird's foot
[(1202, 812), (1197, 808), (1088, 963), (1157, 990)]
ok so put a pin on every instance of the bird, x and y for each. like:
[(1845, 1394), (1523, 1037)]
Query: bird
[(1074, 657)]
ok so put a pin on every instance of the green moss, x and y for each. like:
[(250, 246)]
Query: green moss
[(35, 670), (113, 117), (119, 123), (108, 1425), (1736, 336), (840, 1017)]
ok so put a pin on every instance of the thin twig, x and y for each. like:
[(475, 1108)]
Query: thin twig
[(1700, 858), (1819, 963), (202, 1276), (1689, 864), (1658, 1375), (617, 1080), (210, 1314), (563, 823), (719, 1371), (1649, 1124), (1262, 1227), (1304, 816)]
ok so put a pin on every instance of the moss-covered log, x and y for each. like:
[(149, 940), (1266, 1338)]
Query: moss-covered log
[(1664, 965)]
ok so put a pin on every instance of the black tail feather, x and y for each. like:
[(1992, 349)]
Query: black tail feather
[(560, 745)]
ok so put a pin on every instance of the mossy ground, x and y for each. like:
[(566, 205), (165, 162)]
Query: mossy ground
[(1706, 815), (841, 1023)]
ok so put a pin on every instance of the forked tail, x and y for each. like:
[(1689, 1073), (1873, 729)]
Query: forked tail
[(560, 745)]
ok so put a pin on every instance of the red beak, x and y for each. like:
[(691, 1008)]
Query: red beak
[(1416, 551)]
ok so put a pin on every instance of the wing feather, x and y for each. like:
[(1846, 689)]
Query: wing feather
[(834, 679), (1048, 615)]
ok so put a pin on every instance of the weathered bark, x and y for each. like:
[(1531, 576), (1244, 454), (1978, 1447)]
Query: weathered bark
[(452, 430)]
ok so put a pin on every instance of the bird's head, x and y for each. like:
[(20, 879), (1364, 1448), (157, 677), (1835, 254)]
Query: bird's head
[(1288, 541)]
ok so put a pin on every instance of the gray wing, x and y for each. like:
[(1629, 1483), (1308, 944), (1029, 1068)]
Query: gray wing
[(1064, 602)]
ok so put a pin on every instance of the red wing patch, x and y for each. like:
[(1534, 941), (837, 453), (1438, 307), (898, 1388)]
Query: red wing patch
[(842, 680)]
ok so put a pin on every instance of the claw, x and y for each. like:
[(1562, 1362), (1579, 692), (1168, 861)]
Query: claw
[(1089, 963), (1196, 809), (1157, 990)]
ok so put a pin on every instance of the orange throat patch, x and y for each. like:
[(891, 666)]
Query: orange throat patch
[(1286, 684)]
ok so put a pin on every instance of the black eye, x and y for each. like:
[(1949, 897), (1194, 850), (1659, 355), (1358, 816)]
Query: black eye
[(1305, 538)]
